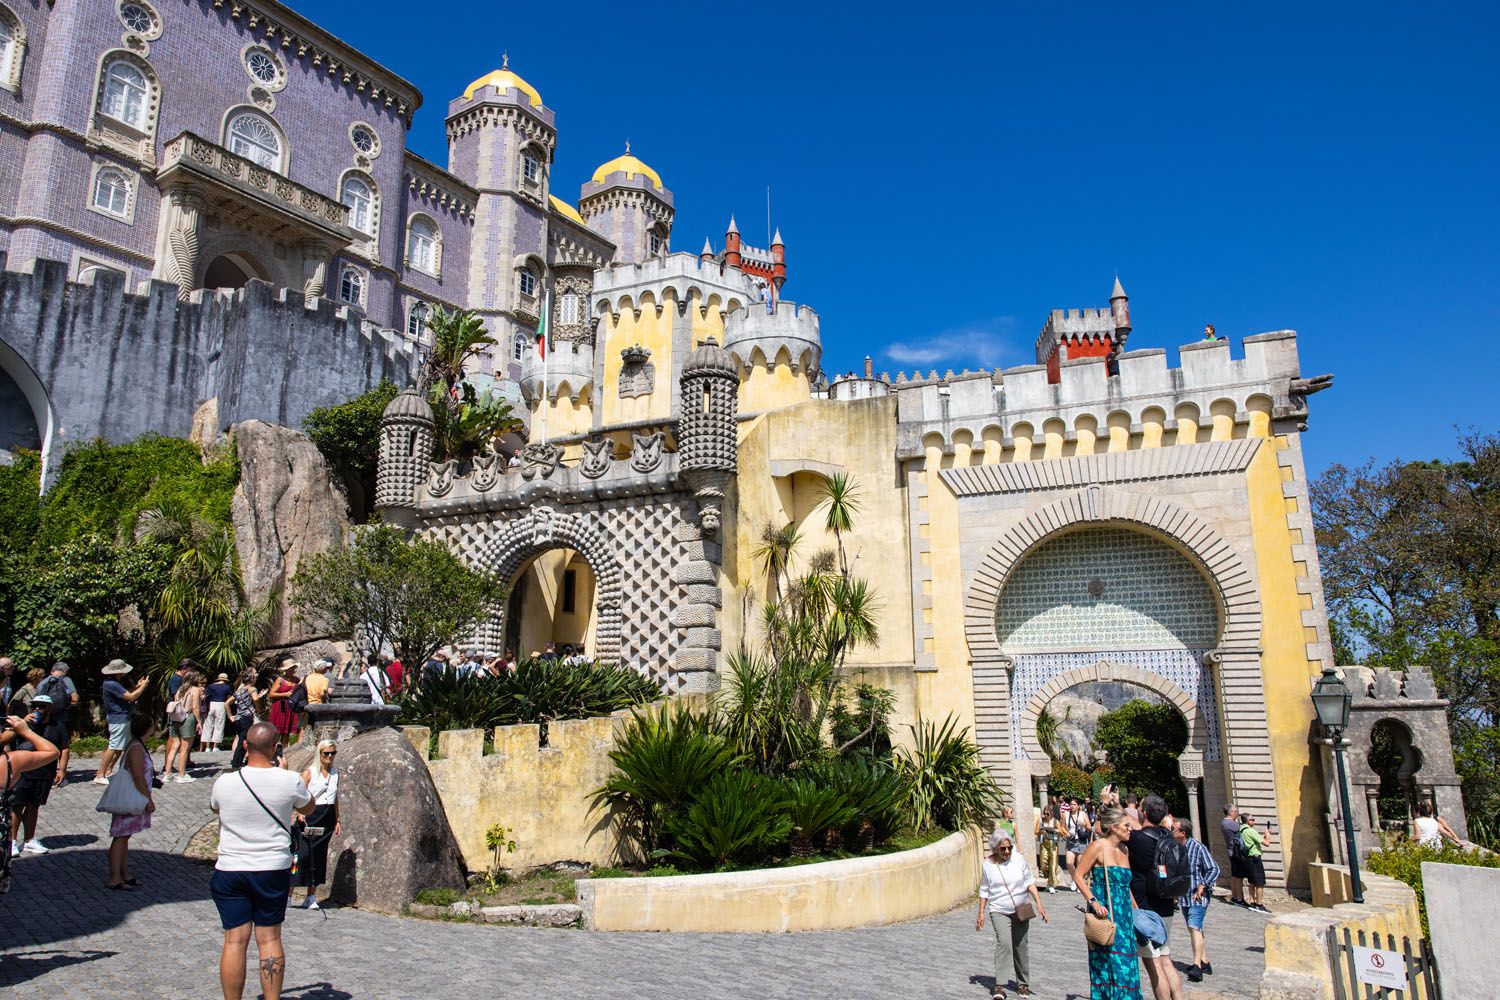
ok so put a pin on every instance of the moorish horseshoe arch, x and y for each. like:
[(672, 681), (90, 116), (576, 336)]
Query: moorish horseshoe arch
[(1106, 671), (546, 528), (1244, 740)]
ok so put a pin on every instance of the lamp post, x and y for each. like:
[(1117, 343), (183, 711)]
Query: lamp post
[(1331, 699)]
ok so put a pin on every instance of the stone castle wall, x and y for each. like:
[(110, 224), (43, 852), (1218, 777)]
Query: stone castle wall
[(116, 365)]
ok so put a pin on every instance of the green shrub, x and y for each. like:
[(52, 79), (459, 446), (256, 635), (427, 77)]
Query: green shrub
[(1068, 781), (1403, 861), (739, 818), (348, 435), (661, 760), (88, 744), (816, 811), (539, 691), (945, 784), (875, 793), (438, 897)]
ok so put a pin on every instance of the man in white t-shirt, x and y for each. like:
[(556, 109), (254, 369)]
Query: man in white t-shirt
[(254, 873)]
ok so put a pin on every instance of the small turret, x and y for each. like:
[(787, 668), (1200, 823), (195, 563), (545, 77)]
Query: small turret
[(707, 255), (1119, 310), (732, 245), (778, 259), (406, 432), (707, 438)]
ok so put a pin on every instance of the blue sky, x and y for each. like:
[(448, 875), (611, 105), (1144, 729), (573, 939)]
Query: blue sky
[(943, 176)]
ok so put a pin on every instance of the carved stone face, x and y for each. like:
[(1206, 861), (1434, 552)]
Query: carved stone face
[(710, 522)]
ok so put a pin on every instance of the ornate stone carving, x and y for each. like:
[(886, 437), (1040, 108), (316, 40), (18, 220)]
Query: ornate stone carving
[(440, 478), (544, 525), (648, 451), (597, 454), (486, 470), (1190, 765), (540, 458)]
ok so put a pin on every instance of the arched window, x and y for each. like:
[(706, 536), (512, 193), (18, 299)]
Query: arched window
[(654, 241), (422, 245), (528, 283), (360, 200), (251, 136), (352, 286), (518, 347), (127, 94), (568, 309), (111, 191), (416, 320), (531, 167)]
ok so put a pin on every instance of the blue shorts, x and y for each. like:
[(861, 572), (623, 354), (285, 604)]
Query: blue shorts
[(257, 898), (1193, 913), (119, 735)]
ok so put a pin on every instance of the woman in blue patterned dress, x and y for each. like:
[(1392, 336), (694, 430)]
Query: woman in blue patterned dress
[(1103, 876)]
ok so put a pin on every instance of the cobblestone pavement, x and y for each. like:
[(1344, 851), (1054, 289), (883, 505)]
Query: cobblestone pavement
[(65, 936)]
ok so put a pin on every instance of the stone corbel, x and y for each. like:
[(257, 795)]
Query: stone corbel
[(315, 260)]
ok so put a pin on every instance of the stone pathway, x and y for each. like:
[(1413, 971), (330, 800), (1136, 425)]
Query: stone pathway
[(65, 936)]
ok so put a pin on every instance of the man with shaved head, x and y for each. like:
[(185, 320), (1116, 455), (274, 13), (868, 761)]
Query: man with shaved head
[(254, 873)]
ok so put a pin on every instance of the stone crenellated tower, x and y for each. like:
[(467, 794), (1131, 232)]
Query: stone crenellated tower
[(628, 205), (406, 437), (707, 439)]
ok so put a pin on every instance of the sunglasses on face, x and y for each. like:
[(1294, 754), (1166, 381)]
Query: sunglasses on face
[(330, 753)]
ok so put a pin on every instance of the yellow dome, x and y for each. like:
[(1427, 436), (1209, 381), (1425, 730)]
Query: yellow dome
[(566, 209), (504, 79), (631, 166)]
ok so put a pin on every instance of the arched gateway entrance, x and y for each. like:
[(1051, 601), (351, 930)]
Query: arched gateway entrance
[(1106, 586)]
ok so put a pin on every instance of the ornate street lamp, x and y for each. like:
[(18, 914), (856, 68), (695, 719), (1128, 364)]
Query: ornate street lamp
[(1331, 699)]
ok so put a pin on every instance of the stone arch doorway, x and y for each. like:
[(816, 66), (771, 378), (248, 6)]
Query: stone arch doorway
[(27, 416), (234, 269), (546, 529), (551, 600), (1225, 656)]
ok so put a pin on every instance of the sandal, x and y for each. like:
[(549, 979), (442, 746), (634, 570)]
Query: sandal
[(119, 887), (134, 883)]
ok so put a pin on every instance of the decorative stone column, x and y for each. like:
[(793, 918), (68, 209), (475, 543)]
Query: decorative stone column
[(1190, 767), (315, 258), (183, 217)]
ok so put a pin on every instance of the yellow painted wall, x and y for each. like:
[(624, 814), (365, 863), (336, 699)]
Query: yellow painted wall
[(564, 417), (773, 386), (652, 332), (949, 689), (858, 437), (542, 617), (1286, 671)]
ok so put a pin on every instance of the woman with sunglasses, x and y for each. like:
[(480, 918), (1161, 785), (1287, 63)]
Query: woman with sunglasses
[(1103, 876), (320, 827), (1008, 895)]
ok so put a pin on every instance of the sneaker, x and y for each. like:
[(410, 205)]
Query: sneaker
[(311, 902), (1050, 889), (1195, 974), (1258, 908), (1208, 968), (101, 781), (34, 847), (185, 779), (15, 848)]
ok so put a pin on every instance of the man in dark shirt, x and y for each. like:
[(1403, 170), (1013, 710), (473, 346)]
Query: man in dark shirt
[(1165, 982), (1229, 826)]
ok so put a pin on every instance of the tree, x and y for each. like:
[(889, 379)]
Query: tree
[(466, 420), (841, 495), (348, 435), (413, 595), (1141, 741), (1410, 557)]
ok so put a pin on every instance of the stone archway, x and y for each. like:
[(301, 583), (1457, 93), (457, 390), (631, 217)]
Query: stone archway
[(1106, 671), (26, 395), (546, 528), (1234, 661)]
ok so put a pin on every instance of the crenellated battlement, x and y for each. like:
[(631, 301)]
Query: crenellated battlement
[(1211, 386), (569, 371), (790, 334), (628, 286)]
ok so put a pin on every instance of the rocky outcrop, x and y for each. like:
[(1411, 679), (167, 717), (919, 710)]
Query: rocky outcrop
[(286, 507), (396, 838)]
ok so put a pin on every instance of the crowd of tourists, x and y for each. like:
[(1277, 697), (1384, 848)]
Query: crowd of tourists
[(276, 825), (1135, 866)]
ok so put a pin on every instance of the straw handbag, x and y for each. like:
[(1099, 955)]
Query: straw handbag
[(1099, 931)]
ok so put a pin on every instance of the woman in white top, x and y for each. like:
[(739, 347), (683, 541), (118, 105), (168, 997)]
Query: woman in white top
[(1429, 830), (314, 834), (1006, 885)]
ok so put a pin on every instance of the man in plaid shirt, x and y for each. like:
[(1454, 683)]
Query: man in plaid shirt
[(1205, 874)]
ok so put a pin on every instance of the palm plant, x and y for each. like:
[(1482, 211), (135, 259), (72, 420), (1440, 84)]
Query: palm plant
[(946, 786), (775, 553), (739, 817), (465, 420), (841, 495), (817, 811)]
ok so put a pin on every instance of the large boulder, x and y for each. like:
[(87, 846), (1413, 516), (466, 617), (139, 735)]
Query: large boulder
[(285, 507), (396, 838)]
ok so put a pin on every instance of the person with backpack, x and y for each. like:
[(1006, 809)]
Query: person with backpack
[(64, 694), (1205, 875), (244, 708), (1159, 875), (1230, 827)]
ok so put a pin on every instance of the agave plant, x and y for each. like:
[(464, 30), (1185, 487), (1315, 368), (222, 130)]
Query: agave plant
[(739, 817), (661, 760), (946, 786)]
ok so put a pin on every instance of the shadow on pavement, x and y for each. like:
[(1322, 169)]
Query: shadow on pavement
[(55, 841), (92, 909), (315, 991), (23, 966)]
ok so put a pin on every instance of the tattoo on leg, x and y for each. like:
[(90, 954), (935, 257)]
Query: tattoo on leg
[(272, 968)]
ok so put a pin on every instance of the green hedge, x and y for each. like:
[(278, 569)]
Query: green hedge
[(1404, 863)]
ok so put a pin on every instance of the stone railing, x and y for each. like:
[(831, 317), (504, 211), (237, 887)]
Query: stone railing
[(200, 156)]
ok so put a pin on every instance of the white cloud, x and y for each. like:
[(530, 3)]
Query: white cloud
[(984, 343)]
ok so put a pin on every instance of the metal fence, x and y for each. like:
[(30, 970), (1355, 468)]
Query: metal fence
[(1420, 970)]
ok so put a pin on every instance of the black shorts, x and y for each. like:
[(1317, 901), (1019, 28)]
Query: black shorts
[(257, 898), (1239, 866), (32, 791), (1256, 871)]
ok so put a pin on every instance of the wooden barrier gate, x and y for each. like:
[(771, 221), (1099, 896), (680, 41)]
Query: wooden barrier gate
[(1421, 978)]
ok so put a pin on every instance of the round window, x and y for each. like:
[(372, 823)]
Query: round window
[(364, 139), (261, 66), (137, 18)]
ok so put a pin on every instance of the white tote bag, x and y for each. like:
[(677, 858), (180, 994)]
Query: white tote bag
[(121, 798)]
